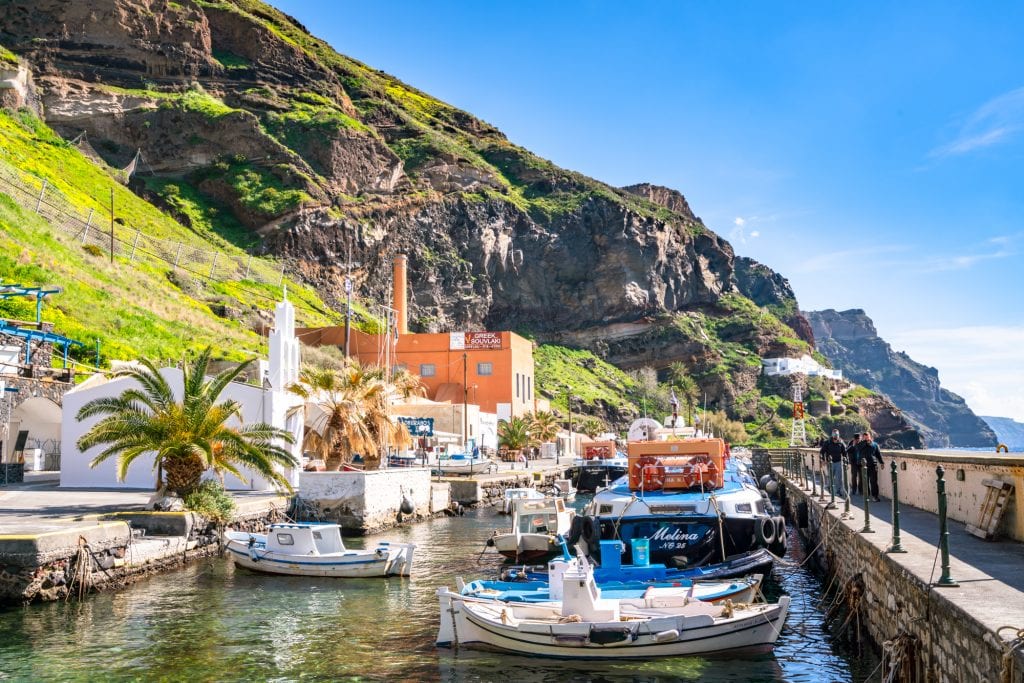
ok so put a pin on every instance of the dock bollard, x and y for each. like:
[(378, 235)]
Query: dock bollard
[(846, 489), (945, 579), (803, 471), (821, 472), (867, 501)]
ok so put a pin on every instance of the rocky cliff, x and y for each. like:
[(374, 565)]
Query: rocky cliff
[(849, 340), (1009, 432)]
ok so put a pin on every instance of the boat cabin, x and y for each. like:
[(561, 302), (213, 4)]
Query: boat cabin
[(548, 516), (305, 539), (676, 464)]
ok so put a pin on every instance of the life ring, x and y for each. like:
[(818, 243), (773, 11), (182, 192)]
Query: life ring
[(1001, 448), (764, 529), (692, 476), (650, 471)]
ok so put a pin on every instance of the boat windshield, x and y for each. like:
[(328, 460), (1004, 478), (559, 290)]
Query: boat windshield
[(539, 523)]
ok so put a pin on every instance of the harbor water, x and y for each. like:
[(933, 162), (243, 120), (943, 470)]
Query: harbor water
[(215, 622)]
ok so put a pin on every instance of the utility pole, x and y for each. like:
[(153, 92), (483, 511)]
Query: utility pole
[(348, 302), (111, 224), (465, 398), (568, 407)]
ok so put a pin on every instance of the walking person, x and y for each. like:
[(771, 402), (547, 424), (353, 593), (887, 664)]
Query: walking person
[(854, 459), (834, 449), (868, 452)]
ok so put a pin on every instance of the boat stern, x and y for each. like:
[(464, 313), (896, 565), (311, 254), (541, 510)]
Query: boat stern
[(399, 557), (446, 633)]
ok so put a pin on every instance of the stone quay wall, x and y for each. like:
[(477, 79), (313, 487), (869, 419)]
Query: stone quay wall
[(490, 490), (108, 555), (369, 501), (953, 646)]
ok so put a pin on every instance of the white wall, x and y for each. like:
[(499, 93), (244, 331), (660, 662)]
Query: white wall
[(373, 497), (258, 405)]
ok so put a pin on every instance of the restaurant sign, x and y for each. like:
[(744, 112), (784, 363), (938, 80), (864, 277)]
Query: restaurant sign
[(418, 426), (470, 341)]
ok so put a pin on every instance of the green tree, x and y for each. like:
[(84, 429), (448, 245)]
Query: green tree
[(592, 426), (544, 425), (188, 436), (686, 387), (514, 434)]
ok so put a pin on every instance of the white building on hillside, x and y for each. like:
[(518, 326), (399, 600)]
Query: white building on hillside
[(269, 403), (803, 365)]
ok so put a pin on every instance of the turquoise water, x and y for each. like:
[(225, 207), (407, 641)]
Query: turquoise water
[(214, 622)]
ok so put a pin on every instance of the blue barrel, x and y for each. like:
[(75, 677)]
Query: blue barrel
[(641, 552)]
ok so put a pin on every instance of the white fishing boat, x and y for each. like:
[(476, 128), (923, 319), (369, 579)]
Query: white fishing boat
[(463, 463), (585, 625), (564, 489), (314, 549), (536, 526), (514, 494)]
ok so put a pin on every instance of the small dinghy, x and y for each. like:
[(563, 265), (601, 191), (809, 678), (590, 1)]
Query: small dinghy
[(584, 624), (313, 549)]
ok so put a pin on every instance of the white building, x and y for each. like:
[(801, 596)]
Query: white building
[(267, 403), (804, 365)]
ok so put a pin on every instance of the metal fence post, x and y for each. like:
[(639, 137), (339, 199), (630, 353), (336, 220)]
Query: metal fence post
[(85, 233), (867, 500), (214, 266), (896, 546), (39, 202), (247, 265), (135, 242), (177, 256), (846, 489), (945, 579)]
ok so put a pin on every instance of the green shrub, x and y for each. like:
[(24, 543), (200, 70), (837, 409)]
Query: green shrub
[(93, 250), (210, 500)]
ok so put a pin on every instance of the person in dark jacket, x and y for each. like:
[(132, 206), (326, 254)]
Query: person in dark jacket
[(854, 459), (867, 451), (834, 449)]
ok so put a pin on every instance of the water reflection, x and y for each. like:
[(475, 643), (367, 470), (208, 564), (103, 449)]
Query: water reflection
[(212, 621)]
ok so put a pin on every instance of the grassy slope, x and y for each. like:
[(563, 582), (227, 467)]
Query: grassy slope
[(132, 308)]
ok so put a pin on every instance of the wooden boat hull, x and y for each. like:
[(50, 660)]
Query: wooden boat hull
[(388, 559), (527, 547), (537, 631)]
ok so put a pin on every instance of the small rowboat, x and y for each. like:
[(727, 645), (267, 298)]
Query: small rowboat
[(308, 549)]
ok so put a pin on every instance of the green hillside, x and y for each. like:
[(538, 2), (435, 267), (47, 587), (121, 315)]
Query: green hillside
[(133, 308)]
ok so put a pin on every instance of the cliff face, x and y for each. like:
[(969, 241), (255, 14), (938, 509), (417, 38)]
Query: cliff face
[(1010, 432), (849, 340), (237, 105)]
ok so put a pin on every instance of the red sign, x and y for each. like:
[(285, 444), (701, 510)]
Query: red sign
[(798, 410)]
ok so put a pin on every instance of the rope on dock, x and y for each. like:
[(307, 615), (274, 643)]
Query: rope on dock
[(1008, 669)]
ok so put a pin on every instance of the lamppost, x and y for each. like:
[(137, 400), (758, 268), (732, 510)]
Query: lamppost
[(568, 407)]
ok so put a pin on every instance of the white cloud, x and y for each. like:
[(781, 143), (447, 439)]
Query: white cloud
[(903, 258), (983, 363), (755, 234), (739, 222), (994, 122)]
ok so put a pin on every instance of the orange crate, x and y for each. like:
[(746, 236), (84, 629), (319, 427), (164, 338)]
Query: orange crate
[(676, 465)]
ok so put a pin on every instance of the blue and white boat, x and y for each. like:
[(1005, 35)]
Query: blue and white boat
[(314, 549), (463, 463), (689, 500)]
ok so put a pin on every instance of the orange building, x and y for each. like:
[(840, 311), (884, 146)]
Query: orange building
[(493, 370)]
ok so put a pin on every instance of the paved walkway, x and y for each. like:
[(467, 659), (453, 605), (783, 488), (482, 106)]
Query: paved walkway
[(40, 506), (990, 573)]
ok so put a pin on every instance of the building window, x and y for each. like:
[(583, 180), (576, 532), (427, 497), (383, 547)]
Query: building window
[(529, 388), (427, 370), (517, 385), (485, 368)]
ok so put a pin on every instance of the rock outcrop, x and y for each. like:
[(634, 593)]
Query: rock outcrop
[(849, 340)]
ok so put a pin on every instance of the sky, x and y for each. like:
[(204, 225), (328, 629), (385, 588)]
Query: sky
[(870, 152)]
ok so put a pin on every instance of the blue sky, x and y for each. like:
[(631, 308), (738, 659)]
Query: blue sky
[(871, 153)]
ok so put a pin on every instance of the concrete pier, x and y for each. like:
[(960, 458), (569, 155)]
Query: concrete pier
[(967, 632)]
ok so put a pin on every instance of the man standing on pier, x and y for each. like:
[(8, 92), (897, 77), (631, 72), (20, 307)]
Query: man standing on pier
[(834, 449), (867, 451), (851, 453)]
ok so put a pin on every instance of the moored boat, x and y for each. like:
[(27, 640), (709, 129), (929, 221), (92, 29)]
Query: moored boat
[(584, 624), (599, 465), (315, 549), (513, 494), (536, 527)]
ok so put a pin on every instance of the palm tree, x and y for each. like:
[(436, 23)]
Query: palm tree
[(347, 413), (188, 436), (544, 425), (514, 434), (592, 426)]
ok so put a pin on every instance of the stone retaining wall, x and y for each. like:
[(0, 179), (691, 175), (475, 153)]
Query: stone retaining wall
[(954, 647), (54, 565), (368, 502)]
